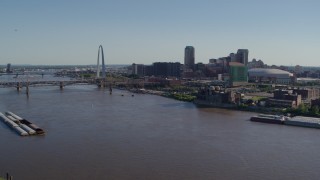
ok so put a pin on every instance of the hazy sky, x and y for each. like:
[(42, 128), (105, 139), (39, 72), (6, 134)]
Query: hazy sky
[(67, 32)]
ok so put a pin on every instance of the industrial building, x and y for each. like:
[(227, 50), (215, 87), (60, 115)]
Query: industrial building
[(308, 94), (285, 98), (215, 95)]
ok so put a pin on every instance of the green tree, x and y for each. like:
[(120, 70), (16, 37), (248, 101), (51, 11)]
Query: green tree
[(302, 108), (315, 110)]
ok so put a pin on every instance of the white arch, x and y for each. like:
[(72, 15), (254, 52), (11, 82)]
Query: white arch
[(103, 65)]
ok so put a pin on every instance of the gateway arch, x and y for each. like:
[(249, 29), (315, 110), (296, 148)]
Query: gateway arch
[(103, 65)]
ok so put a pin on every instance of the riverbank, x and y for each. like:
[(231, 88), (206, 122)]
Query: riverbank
[(241, 107), (174, 95), (256, 109), (206, 104)]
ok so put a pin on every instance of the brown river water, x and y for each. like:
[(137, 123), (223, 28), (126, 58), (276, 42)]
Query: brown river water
[(91, 134)]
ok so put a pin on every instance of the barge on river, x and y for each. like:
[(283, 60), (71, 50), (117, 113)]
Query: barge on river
[(292, 121), (22, 126), (303, 121), (268, 118)]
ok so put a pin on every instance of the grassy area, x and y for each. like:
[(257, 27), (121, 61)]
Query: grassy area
[(258, 98), (183, 97), (2, 178)]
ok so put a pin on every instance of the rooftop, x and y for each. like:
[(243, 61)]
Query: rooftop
[(264, 71)]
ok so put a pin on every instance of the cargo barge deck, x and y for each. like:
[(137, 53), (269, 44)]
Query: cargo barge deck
[(266, 118), (300, 121), (22, 126)]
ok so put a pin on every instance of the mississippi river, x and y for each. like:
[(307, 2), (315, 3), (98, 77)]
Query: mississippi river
[(91, 134)]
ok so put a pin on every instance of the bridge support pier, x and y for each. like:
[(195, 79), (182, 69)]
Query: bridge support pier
[(61, 85), (19, 86), (27, 89), (101, 84)]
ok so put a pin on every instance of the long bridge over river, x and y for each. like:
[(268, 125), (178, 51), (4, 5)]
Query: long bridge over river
[(62, 83), (99, 81)]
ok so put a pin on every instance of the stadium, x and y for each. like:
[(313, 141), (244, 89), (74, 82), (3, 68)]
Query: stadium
[(270, 76)]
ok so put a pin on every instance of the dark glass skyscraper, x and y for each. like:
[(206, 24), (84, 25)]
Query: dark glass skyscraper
[(242, 56), (189, 57), (9, 68)]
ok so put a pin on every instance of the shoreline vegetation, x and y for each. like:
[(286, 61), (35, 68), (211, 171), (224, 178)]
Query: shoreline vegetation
[(174, 95), (181, 97), (302, 110)]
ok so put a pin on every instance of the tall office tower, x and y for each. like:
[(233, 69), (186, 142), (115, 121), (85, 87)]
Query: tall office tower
[(189, 57), (242, 56), (138, 69), (8, 68), (233, 57)]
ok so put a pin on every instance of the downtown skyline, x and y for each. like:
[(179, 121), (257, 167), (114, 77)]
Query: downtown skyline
[(59, 32)]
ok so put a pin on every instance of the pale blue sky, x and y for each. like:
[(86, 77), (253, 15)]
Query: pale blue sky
[(281, 32)]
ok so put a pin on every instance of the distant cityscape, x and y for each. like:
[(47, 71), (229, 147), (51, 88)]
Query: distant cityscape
[(231, 81), (234, 68)]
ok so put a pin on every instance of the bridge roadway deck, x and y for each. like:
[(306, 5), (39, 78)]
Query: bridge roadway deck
[(5, 84), (36, 83)]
